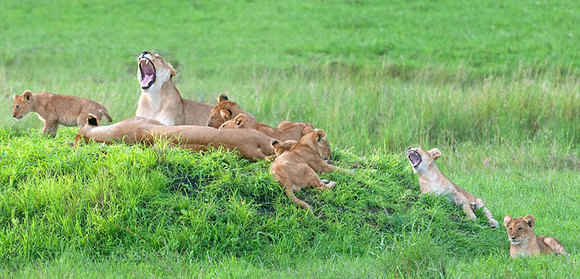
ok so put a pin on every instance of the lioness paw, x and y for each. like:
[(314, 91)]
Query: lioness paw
[(493, 223), (330, 184)]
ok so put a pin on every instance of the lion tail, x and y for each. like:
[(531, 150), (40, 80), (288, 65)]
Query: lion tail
[(290, 194), (106, 114)]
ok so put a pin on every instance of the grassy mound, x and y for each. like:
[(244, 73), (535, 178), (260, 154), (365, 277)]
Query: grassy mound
[(107, 200)]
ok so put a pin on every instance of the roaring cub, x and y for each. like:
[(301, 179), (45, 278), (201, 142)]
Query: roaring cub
[(56, 109), (431, 180), (250, 144), (160, 99), (224, 110), (289, 130), (298, 162), (524, 242)]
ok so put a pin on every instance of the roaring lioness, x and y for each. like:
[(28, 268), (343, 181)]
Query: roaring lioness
[(431, 180), (224, 110), (251, 144), (55, 109), (160, 99), (298, 162), (524, 242), (289, 130)]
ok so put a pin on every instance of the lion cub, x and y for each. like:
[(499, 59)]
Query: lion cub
[(224, 110), (431, 180), (297, 164), (286, 130), (524, 242), (56, 109)]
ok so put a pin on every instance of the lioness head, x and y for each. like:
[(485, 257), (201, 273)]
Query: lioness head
[(153, 71), (317, 140), (519, 229), (239, 122), (223, 111), (21, 104), (280, 147), (420, 159)]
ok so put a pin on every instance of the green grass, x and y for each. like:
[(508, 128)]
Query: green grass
[(494, 85)]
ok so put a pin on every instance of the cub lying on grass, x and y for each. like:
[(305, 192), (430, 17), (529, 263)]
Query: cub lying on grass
[(251, 144), (224, 110), (431, 180), (160, 99), (56, 109), (297, 164), (524, 242), (286, 130)]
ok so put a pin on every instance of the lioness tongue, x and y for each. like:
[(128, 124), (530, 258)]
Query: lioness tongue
[(146, 80)]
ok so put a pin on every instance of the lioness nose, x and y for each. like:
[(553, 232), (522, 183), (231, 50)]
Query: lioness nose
[(144, 52), (408, 148)]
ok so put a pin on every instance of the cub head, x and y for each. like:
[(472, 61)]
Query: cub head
[(21, 104), (153, 71), (420, 159), (223, 111), (281, 147), (519, 229), (239, 122), (317, 140)]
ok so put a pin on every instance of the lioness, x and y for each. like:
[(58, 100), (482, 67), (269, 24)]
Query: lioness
[(524, 242), (298, 162), (431, 180), (55, 109), (251, 144), (224, 110), (289, 130), (160, 99)]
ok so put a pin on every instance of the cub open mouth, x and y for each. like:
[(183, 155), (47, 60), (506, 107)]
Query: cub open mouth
[(147, 70), (414, 157)]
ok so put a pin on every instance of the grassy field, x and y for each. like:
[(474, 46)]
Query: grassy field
[(494, 85)]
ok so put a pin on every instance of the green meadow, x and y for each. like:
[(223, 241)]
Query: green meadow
[(494, 85)]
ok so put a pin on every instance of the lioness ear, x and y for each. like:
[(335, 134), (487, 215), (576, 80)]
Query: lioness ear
[(240, 120), (275, 143), (171, 69), (27, 94), (226, 114), (92, 120), (435, 153), (506, 220), (530, 220), (222, 97)]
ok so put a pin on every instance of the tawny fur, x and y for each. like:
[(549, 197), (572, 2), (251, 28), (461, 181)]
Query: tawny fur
[(251, 144), (160, 99), (431, 180), (524, 242), (298, 162), (225, 110), (289, 130), (56, 110)]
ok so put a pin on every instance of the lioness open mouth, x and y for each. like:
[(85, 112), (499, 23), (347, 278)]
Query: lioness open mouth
[(414, 157), (147, 70)]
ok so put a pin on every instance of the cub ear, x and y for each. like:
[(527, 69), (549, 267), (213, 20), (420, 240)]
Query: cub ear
[(240, 120), (506, 220), (530, 220), (27, 94), (435, 153), (92, 120), (226, 114), (320, 135), (275, 143), (14, 97), (222, 97), (307, 130)]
